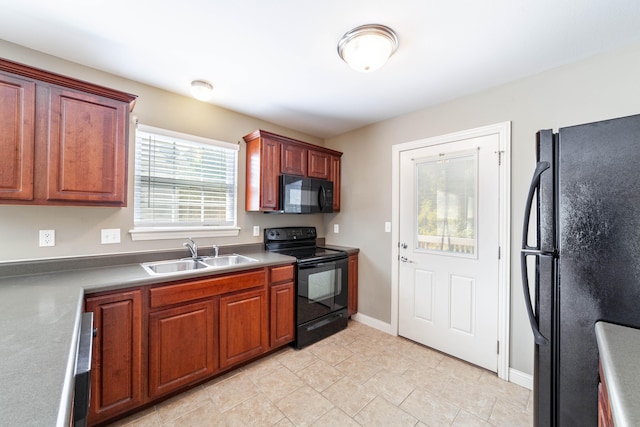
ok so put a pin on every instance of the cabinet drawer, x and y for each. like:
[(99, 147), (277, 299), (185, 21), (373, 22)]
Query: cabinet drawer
[(282, 274), (197, 289)]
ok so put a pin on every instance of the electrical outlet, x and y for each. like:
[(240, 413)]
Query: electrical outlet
[(109, 236), (336, 228), (256, 230), (47, 238)]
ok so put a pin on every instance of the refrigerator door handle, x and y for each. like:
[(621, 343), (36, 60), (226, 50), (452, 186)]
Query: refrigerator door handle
[(532, 251), (539, 338), (535, 181)]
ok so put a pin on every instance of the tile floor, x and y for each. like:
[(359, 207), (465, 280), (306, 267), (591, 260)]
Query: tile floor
[(358, 377)]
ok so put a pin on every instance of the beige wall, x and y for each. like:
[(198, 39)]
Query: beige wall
[(78, 228), (603, 87), (599, 88)]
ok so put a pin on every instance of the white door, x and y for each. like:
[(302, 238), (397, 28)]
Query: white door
[(449, 243)]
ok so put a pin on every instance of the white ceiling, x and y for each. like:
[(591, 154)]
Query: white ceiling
[(276, 59)]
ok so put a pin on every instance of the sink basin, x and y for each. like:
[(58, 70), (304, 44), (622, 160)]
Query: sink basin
[(173, 266), (189, 264), (227, 260)]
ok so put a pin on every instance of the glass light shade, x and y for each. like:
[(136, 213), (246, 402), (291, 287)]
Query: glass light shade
[(367, 48), (201, 90)]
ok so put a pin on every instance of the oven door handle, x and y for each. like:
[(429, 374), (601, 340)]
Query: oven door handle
[(317, 264)]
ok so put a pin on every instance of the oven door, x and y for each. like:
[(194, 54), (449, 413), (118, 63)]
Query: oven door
[(322, 289)]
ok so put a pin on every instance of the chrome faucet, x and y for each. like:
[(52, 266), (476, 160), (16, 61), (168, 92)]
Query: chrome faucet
[(215, 250), (193, 248)]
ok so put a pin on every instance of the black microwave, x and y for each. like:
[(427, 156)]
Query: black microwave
[(305, 195)]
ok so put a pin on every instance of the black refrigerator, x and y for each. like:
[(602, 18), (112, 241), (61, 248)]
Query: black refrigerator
[(584, 263)]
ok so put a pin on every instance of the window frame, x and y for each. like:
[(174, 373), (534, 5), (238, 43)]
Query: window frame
[(174, 231)]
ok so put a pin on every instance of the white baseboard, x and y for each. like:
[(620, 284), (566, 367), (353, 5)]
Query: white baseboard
[(374, 323), (520, 378)]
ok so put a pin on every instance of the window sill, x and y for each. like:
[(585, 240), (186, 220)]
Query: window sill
[(182, 232)]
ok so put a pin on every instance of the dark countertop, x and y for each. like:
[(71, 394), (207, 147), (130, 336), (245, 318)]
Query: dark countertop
[(40, 318), (347, 249), (619, 347)]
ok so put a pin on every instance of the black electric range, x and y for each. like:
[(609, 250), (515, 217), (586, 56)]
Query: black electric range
[(321, 282)]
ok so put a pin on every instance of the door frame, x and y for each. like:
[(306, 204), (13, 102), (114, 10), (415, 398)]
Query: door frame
[(503, 130)]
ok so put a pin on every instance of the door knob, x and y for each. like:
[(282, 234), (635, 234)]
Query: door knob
[(404, 246)]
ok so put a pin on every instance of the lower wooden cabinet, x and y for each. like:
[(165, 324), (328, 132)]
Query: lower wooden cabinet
[(282, 293), (159, 339), (605, 419), (116, 374), (352, 304), (182, 346), (243, 327)]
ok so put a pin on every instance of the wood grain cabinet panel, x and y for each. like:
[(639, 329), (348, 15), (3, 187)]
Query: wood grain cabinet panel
[(352, 305), (319, 165), (605, 418), (243, 326), (282, 314), (182, 346), (281, 305), (117, 367), (294, 160), (87, 148), (335, 178), (17, 137), (263, 169)]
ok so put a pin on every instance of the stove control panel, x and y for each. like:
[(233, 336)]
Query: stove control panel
[(289, 233)]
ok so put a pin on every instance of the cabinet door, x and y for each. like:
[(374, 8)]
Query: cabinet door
[(17, 138), (87, 153), (116, 374), (243, 327), (294, 160), (282, 320), (182, 346), (270, 161), (352, 305), (319, 165), (335, 178)]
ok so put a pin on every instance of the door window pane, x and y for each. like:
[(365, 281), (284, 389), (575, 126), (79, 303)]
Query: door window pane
[(446, 202)]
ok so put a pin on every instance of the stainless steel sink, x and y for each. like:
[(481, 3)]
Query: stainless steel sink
[(188, 264), (173, 266), (227, 260)]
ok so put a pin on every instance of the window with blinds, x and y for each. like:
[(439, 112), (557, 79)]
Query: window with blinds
[(184, 180)]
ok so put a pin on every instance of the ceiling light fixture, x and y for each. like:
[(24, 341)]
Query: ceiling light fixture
[(201, 89), (366, 48)]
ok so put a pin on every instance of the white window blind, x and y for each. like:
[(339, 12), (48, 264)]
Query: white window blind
[(184, 180)]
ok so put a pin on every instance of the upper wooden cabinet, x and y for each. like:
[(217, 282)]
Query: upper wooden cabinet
[(320, 164), (17, 118), (294, 160), (335, 178), (65, 140), (270, 155), (263, 169)]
